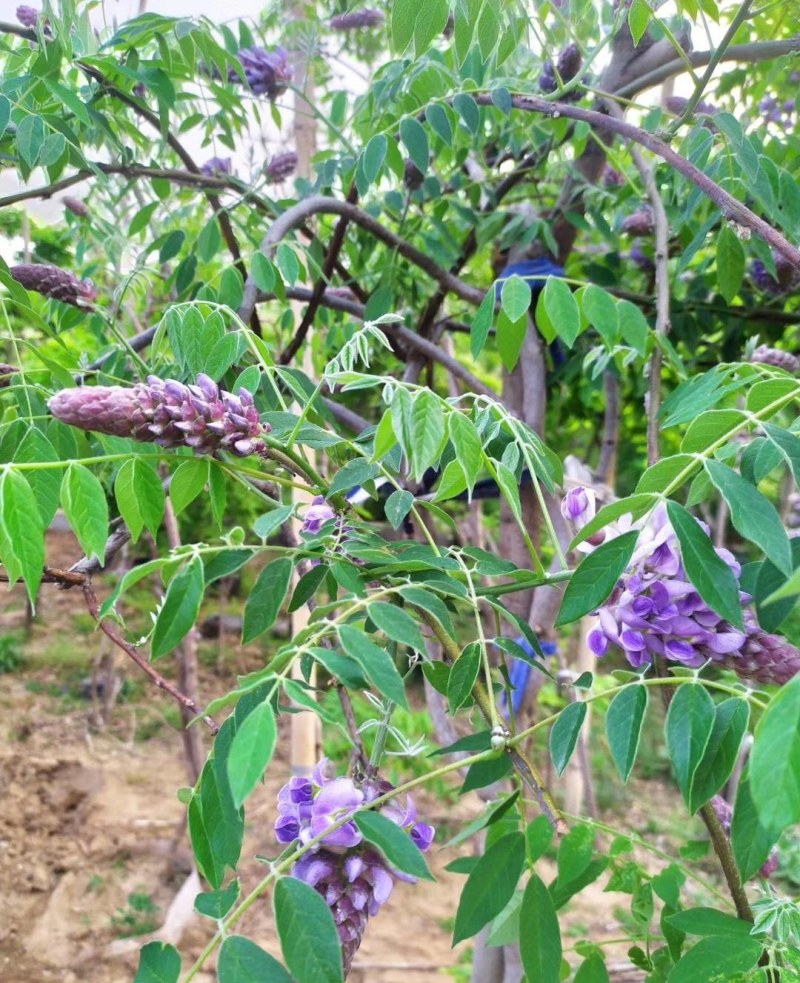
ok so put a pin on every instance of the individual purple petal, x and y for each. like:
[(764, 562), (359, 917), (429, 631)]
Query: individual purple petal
[(422, 834)]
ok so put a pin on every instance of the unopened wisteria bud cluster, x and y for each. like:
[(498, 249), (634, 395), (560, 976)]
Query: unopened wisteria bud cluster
[(654, 609), (353, 877), (52, 281), (566, 68), (169, 413)]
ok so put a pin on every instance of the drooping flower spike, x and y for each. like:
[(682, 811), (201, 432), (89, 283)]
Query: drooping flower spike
[(169, 413), (354, 878), (655, 611)]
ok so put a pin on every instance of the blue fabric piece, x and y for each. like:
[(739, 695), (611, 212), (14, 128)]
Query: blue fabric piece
[(533, 271), (519, 673)]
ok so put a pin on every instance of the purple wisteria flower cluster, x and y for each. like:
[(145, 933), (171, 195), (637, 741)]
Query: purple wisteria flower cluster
[(639, 223), (169, 413), (268, 73), (357, 20), (785, 280), (780, 112), (353, 877), (76, 206), (777, 358), (217, 167), (655, 610), (281, 166), (52, 281)]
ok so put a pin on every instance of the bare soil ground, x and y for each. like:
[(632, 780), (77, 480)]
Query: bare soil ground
[(90, 820)]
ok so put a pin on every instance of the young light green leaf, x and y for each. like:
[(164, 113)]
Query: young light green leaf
[(540, 942), (752, 515), (140, 497), (180, 609), (562, 310), (595, 577), (251, 751), (187, 483), (515, 297), (265, 599), (85, 506), (490, 885), (690, 721), (394, 843), (706, 570), (624, 720), (564, 735), (21, 532), (309, 940)]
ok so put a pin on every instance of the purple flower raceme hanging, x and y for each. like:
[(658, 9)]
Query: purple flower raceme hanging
[(268, 73), (217, 167), (281, 166), (52, 281), (655, 610), (353, 877), (169, 413), (357, 20)]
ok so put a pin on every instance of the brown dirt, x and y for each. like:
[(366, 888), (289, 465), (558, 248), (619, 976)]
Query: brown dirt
[(87, 819)]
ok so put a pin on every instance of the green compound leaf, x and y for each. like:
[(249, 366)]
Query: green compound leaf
[(463, 674), (706, 570), (140, 497), (159, 962), (251, 751), (242, 961), (394, 843), (309, 940), (751, 841), (752, 515), (266, 598), (540, 939), (624, 720), (21, 532), (85, 506), (180, 608), (595, 577), (775, 761), (730, 723), (690, 721), (490, 886), (564, 735), (375, 662), (717, 958)]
